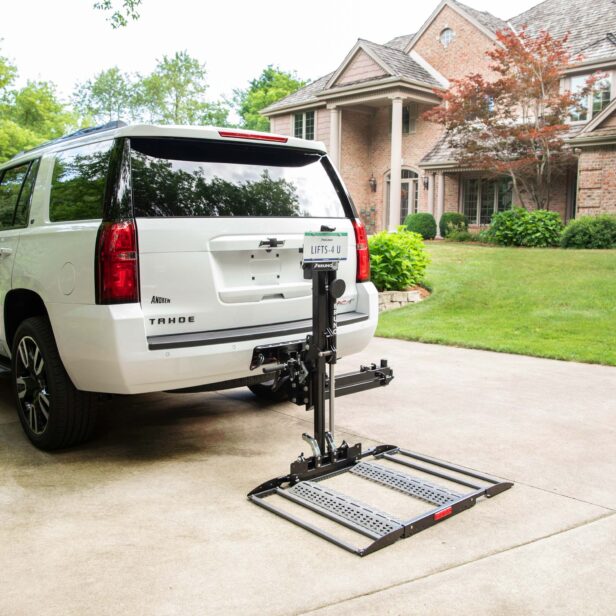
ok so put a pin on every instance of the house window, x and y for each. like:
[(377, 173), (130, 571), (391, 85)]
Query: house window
[(446, 37), (482, 198), (410, 113), (595, 102), (409, 193), (304, 125), (601, 96)]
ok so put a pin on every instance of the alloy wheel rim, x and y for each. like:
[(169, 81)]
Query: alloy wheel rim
[(31, 380)]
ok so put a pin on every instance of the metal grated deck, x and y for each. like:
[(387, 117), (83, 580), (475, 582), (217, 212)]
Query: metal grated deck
[(412, 486), (343, 507)]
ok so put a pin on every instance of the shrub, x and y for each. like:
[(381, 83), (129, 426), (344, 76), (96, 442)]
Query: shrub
[(422, 223), (460, 235), (518, 227), (508, 227), (451, 221), (397, 260), (590, 232), (486, 236)]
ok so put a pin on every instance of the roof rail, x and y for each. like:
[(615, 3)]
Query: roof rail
[(78, 133)]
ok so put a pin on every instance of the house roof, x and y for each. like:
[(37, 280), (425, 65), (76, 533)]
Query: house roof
[(303, 96), (400, 42), (444, 155), (487, 20), (401, 64), (589, 24), (592, 29), (394, 61), (594, 131)]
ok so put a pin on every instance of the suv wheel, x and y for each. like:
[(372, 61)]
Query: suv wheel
[(52, 412), (266, 392)]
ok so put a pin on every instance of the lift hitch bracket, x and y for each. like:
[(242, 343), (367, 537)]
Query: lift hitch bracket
[(305, 369)]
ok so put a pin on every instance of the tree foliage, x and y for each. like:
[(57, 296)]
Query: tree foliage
[(515, 124), (272, 85), (108, 96), (119, 14), (28, 115), (174, 93)]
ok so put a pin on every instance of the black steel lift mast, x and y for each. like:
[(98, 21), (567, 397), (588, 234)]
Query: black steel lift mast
[(301, 368)]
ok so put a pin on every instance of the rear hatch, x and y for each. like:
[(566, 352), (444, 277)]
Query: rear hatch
[(220, 231)]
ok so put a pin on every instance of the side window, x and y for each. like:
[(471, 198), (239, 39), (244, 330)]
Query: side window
[(23, 206), (10, 190), (78, 182)]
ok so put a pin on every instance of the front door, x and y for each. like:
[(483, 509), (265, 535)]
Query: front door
[(409, 193)]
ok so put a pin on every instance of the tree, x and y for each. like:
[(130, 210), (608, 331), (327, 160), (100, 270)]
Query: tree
[(37, 108), (272, 85), (516, 124), (106, 97), (118, 16), (175, 93), (30, 115), (8, 72)]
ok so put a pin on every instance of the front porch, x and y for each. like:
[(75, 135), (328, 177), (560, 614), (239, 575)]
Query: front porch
[(377, 142)]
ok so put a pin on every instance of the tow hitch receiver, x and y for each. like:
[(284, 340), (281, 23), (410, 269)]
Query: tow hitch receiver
[(305, 370)]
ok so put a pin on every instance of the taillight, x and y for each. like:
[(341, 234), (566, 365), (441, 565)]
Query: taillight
[(118, 269), (363, 254)]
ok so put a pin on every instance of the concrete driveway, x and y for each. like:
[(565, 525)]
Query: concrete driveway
[(151, 517)]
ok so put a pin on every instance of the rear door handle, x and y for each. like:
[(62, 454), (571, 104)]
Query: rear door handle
[(5, 252)]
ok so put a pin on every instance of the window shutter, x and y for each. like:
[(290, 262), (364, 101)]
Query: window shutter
[(413, 116)]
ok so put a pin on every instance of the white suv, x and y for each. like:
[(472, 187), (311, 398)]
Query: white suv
[(144, 258)]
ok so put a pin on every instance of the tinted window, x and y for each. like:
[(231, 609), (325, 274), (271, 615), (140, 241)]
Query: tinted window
[(197, 178), (15, 193), (78, 183), (23, 206)]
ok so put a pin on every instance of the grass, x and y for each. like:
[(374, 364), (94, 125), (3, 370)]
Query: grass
[(548, 303)]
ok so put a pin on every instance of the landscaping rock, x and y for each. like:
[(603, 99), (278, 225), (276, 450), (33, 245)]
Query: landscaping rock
[(388, 300)]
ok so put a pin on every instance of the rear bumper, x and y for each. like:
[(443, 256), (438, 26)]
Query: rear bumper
[(105, 348)]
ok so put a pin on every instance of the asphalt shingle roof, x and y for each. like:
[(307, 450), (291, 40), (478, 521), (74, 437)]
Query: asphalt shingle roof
[(400, 42), (303, 95), (443, 153), (588, 23), (401, 63), (487, 20)]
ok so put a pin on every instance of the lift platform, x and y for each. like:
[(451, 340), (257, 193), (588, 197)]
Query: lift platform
[(306, 371)]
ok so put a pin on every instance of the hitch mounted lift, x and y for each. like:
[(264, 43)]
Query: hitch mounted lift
[(306, 370)]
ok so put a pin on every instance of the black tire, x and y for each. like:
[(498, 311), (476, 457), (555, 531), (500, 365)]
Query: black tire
[(53, 413), (265, 392)]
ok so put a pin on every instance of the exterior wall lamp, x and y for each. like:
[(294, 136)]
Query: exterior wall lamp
[(426, 182), (372, 182)]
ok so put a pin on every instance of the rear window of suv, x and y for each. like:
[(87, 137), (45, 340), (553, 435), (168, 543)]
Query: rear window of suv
[(185, 177)]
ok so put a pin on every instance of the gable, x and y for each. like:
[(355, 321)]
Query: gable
[(360, 68), (466, 52), (610, 121)]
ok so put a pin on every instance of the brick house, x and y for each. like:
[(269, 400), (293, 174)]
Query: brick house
[(368, 113)]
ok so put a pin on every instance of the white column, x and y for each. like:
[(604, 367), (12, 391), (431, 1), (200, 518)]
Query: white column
[(395, 184), (441, 199), (432, 201), (334, 135)]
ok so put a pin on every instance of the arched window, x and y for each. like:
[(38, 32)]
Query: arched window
[(409, 194), (446, 37)]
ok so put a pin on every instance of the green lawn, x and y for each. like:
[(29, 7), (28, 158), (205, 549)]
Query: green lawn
[(549, 303)]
